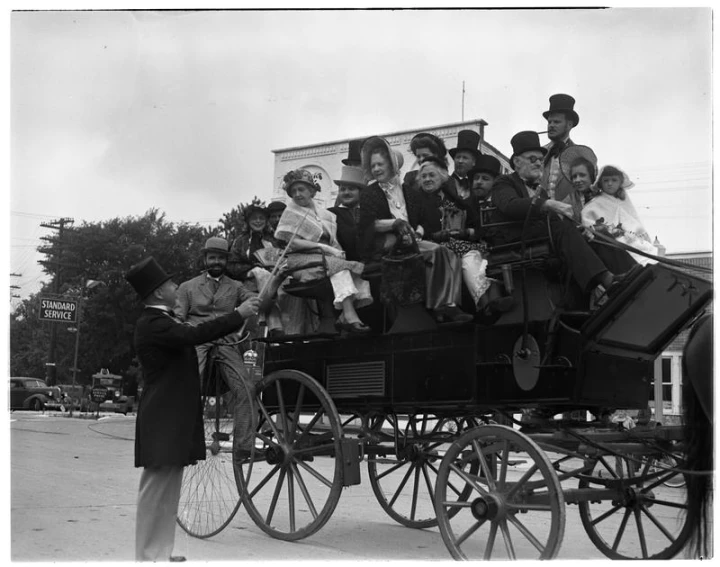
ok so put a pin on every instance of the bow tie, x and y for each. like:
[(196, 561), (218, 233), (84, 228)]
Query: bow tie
[(556, 148)]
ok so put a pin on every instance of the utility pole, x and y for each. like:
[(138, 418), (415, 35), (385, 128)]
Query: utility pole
[(56, 251), (462, 111), (12, 287)]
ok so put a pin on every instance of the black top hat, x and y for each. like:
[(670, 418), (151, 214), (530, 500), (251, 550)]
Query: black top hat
[(468, 140), (524, 142), (563, 103), (146, 276), (486, 164), (353, 152), (276, 206)]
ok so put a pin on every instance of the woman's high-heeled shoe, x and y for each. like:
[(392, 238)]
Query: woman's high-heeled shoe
[(357, 327)]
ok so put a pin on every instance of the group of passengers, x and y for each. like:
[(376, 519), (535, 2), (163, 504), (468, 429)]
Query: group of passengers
[(451, 220)]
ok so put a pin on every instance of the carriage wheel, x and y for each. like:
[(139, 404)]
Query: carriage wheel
[(404, 480), (510, 513), (289, 490), (646, 520), (209, 497)]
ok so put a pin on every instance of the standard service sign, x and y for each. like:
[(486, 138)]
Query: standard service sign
[(58, 309)]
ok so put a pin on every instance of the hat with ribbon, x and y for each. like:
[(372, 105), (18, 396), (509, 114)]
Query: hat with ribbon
[(217, 244), (146, 276), (613, 170), (563, 103), (299, 176), (353, 157), (374, 143), (251, 209), (572, 154), (352, 176), (525, 141), (468, 140), (486, 164)]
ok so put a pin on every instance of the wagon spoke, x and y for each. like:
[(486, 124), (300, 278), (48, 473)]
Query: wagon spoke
[(491, 541), (468, 479), (621, 529), (416, 486), (402, 485), (449, 484), (316, 474), (431, 492), (298, 405), (508, 540), (470, 531), (641, 533), (528, 474), (484, 465), (669, 503), (524, 531), (265, 480), (607, 514), (276, 494), (502, 477), (304, 490), (291, 499), (610, 469), (283, 417), (391, 469), (268, 419), (310, 424), (658, 524)]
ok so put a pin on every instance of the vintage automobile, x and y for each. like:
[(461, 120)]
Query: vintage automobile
[(34, 394)]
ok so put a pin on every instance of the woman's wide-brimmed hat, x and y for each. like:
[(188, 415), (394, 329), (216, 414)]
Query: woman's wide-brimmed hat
[(216, 244), (525, 141), (353, 157), (372, 143), (276, 207), (468, 140), (426, 139), (563, 103), (571, 154), (486, 164), (352, 176), (299, 176), (250, 209), (626, 183), (146, 276)]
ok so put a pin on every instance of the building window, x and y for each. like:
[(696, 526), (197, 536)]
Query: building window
[(667, 385)]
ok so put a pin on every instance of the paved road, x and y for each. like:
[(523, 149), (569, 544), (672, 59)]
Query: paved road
[(73, 490)]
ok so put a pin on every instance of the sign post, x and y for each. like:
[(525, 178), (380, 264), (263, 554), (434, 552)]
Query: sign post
[(59, 309)]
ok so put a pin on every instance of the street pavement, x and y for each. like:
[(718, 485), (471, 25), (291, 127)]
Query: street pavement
[(73, 491)]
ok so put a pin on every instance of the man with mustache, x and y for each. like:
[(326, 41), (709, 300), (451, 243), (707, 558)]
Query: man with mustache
[(561, 119)]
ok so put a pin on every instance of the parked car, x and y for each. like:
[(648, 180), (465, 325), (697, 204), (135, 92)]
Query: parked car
[(33, 393)]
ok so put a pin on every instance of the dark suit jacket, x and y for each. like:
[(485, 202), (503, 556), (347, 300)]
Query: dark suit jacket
[(374, 206), (563, 187), (347, 232), (169, 427), (513, 202)]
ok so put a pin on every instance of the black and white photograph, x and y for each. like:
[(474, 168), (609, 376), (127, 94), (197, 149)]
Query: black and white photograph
[(359, 282)]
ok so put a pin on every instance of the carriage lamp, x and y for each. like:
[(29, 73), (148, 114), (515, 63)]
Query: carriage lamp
[(507, 278)]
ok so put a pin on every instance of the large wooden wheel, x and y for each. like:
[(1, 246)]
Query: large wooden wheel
[(209, 498), (646, 519), (287, 487), (403, 480), (510, 513)]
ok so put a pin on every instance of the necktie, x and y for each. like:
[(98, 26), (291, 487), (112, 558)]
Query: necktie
[(556, 149), (214, 285)]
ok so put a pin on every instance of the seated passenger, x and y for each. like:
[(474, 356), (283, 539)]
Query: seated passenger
[(519, 197), (274, 211), (347, 210), (613, 213), (307, 227), (452, 222), (387, 209), (243, 261), (482, 177), (424, 145)]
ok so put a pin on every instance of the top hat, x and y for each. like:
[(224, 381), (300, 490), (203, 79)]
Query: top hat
[(565, 104), (250, 209), (217, 244), (353, 152), (299, 176), (486, 164), (526, 141), (468, 140), (352, 176), (417, 140), (276, 206), (146, 276)]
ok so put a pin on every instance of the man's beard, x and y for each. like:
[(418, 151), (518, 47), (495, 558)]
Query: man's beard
[(215, 270)]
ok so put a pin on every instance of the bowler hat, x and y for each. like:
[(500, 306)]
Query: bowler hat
[(486, 164), (563, 103), (353, 152), (252, 208), (468, 140), (146, 276), (276, 206), (352, 176), (217, 244), (526, 141)]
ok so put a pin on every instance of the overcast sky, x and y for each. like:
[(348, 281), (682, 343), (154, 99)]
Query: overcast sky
[(114, 113)]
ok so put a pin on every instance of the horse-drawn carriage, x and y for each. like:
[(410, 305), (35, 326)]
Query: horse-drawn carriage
[(433, 413)]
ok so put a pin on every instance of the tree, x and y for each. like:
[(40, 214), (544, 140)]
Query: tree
[(233, 224)]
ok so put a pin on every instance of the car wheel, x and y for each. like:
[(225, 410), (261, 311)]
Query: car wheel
[(37, 405)]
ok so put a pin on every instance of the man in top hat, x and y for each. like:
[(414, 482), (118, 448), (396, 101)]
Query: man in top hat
[(465, 155), (561, 119), (274, 212), (520, 197), (353, 159), (169, 432), (347, 210), (208, 296)]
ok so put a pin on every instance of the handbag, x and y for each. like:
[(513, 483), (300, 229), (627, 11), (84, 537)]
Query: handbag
[(403, 271)]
